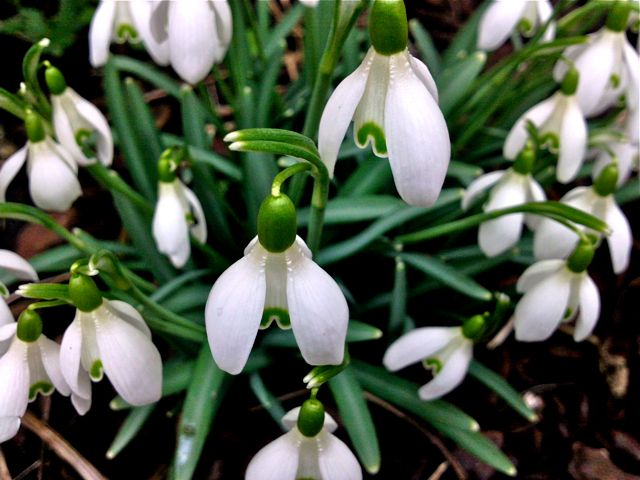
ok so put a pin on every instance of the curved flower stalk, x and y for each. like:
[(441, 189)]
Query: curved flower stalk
[(196, 33), (557, 291), (561, 125), (108, 336), (393, 101), (53, 181), (122, 21), (554, 240), (609, 66), (28, 366), (178, 213), (316, 453), (510, 187), (446, 350), (77, 121), (503, 17)]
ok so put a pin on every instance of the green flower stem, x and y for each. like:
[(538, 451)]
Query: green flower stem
[(110, 180), (286, 173), (48, 304), (319, 199)]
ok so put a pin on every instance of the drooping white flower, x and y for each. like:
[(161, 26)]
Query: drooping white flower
[(196, 32), (295, 456), (504, 16), (609, 67), (113, 339), (178, 213), (287, 287), (444, 349), (626, 156), (121, 21), (17, 266), (561, 125), (554, 240), (28, 366), (508, 188), (553, 293), (393, 101)]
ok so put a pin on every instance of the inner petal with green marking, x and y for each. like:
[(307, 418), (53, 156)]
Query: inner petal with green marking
[(279, 315), (96, 372), (45, 388)]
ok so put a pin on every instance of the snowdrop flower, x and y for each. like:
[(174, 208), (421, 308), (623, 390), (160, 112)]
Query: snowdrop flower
[(310, 3), (53, 181), (197, 33), (623, 153), (178, 213), (557, 291), (608, 65), (446, 350), (308, 451), (504, 16), (560, 124), (510, 187), (108, 336), (393, 101), (276, 280), (29, 365), (554, 240), (17, 266), (76, 120), (121, 21)]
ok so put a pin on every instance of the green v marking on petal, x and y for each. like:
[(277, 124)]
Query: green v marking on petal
[(96, 371), (279, 315), (370, 130), (45, 388)]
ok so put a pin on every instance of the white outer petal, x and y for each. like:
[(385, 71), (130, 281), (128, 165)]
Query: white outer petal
[(100, 32), (70, 355), (545, 10), (453, 372), (573, 142), (141, 14), (14, 378), (10, 169), (417, 345), (170, 230), (290, 420), (317, 308), (536, 273), (339, 110), (9, 427), (416, 134), (94, 117), (518, 135), (535, 194), (234, 311), (477, 186), (50, 352), (224, 26), (335, 459), (595, 64), (199, 229), (276, 461), (64, 129), (589, 309), (620, 240), (498, 22), (632, 68), (423, 73), (17, 266), (129, 314)]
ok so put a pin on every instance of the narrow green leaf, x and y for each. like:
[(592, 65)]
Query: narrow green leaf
[(177, 283), (268, 401), (354, 209), (466, 38), (425, 45), (45, 291), (204, 395), (129, 429), (147, 72), (463, 172), (356, 418), (30, 67), (273, 135), (357, 332), (12, 103), (279, 148), (482, 448), (629, 192), (283, 29), (500, 386), (398, 313), (456, 80), (370, 177)]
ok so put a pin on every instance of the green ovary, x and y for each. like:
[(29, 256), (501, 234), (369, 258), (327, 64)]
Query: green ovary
[(371, 131), (280, 316), (45, 388)]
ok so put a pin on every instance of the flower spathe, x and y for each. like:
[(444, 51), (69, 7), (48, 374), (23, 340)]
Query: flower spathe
[(294, 456), (112, 339), (561, 124), (393, 101), (53, 180), (196, 33), (445, 349), (287, 287), (178, 213), (503, 17), (26, 369), (553, 294), (508, 188)]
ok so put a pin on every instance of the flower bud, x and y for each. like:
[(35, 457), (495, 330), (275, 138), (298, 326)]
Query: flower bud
[(311, 417), (388, 26), (55, 80), (607, 180), (29, 326), (474, 327), (84, 293), (277, 223), (618, 17), (166, 168), (34, 127), (525, 160), (570, 81), (581, 257)]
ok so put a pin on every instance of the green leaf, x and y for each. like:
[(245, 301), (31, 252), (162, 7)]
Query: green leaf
[(356, 418), (463, 172), (370, 177), (447, 274), (500, 386), (482, 448), (398, 313), (146, 72), (30, 66), (268, 401), (273, 135), (357, 332), (45, 291), (12, 103), (457, 79), (129, 429), (283, 29), (204, 395), (174, 285), (354, 209), (425, 45), (279, 148)]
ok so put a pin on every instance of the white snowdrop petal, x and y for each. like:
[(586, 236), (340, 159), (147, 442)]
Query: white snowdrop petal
[(17, 266), (53, 183), (14, 378), (339, 110), (50, 352), (535, 194), (128, 313), (553, 240), (290, 420), (545, 9), (276, 461), (423, 73), (542, 308), (518, 135), (417, 136), (70, 364), (453, 372), (480, 184), (81, 404), (595, 65), (572, 52), (94, 117), (318, 310), (573, 143), (142, 19), (10, 169), (63, 128), (100, 32), (417, 345), (335, 459), (589, 299), (620, 240), (536, 273), (632, 69), (130, 360), (9, 427), (224, 26), (199, 229), (170, 230), (498, 22), (234, 311)]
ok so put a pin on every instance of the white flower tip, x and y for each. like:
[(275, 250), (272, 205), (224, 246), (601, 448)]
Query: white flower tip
[(373, 469), (44, 42), (237, 146), (231, 137), (110, 455)]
